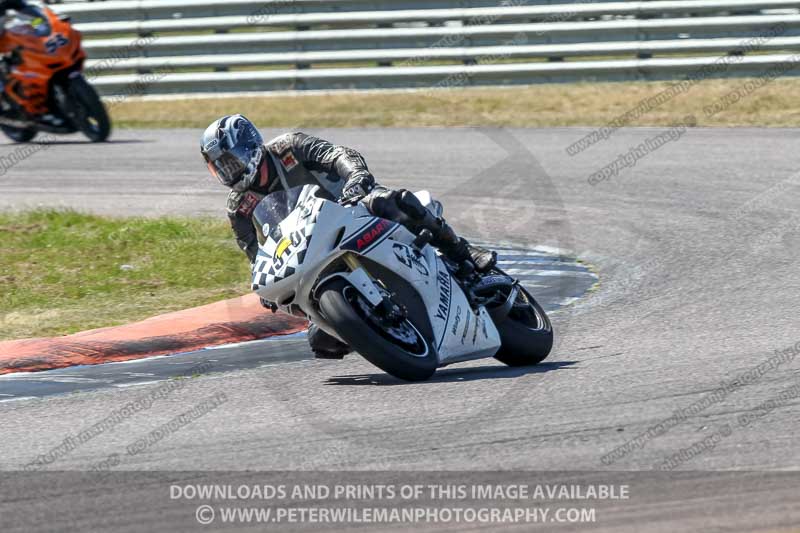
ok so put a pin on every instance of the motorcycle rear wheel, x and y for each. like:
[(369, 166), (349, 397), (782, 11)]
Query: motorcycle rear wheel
[(403, 352), (526, 333)]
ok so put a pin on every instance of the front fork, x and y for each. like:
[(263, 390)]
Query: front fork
[(360, 279), (64, 104)]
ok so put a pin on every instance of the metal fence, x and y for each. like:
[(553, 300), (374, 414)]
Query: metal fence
[(183, 46)]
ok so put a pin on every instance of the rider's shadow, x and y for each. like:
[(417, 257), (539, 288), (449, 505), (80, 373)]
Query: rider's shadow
[(451, 375)]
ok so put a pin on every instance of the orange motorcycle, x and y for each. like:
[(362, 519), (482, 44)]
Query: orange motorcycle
[(43, 87)]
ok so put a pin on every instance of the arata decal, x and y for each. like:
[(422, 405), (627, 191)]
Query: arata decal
[(370, 235)]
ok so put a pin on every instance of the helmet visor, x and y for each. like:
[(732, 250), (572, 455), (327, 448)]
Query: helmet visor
[(228, 168)]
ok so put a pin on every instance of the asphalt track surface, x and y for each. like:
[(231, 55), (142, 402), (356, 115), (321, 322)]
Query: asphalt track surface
[(696, 248), (558, 282)]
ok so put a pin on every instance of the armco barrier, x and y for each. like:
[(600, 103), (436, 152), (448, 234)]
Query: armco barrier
[(332, 44)]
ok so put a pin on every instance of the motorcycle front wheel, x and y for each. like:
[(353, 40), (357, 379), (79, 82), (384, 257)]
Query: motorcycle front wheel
[(87, 112), (400, 349)]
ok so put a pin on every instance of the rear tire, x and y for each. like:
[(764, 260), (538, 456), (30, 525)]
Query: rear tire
[(19, 135), (339, 305), (526, 333), (89, 114)]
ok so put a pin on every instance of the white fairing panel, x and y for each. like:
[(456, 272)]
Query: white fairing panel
[(460, 333), (280, 259)]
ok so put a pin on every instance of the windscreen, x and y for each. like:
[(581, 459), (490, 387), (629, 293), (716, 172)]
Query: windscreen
[(275, 207)]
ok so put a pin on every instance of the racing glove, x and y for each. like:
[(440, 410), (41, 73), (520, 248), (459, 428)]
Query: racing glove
[(356, 189)]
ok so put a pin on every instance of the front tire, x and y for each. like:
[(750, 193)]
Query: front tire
[(89, 114), (411, 359)]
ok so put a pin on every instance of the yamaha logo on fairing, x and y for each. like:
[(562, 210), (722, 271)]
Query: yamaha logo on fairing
[(444, 295)]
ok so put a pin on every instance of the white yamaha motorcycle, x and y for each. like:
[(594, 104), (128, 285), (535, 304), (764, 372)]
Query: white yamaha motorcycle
[(386, 292)]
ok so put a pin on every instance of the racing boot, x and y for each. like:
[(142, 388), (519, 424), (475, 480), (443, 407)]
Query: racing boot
[(455, 248), (323, 345), (326, 346), (459, 250), (484, 259)]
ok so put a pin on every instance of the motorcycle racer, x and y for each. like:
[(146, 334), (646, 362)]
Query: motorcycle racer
[(5, 5), (237, 156), (11, 57), (5, 48)]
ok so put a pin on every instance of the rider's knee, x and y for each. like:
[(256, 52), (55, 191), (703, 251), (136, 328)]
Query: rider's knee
[(411, 206)]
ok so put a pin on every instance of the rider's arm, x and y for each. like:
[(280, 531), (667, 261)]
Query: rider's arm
[(242, 225), (321, 155)]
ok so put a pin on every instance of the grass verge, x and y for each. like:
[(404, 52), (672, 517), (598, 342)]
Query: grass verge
[(581, 104), (63, 272)]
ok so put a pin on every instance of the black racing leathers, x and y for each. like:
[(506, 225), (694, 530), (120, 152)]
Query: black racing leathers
[(297, 159)]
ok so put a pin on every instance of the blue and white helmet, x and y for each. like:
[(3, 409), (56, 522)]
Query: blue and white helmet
[(233, 150)]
